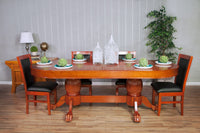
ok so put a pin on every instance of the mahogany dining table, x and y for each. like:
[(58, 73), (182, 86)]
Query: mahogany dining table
[(88, 70)]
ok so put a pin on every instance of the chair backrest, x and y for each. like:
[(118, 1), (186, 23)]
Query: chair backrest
[(87, 54), (122, 54), (184, 63), (25, 64)]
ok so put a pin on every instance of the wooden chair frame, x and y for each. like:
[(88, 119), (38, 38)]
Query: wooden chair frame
[(35, 93), (124, 53), (174, 94), (90, 60)]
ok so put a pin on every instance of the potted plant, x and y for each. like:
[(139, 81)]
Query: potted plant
[(34, 50), (161, 34)]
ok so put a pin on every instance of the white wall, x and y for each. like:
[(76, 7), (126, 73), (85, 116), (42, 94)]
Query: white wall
[(68, 25), (188, 31)]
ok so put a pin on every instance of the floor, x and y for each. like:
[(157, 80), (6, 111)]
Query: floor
[(97, 118)]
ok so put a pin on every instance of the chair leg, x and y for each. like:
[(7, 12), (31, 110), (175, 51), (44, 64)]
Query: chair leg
[(117, 91), (27, 105), (153, 96), (90, 90), (182, 102), (48, 104), (55, 95), (159, 103), (35, 98), (174, 99)]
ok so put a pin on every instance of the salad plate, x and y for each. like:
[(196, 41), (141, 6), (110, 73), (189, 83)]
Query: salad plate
[(48, 63), (124, 59), (138, 66), (162, 65), (65, 67), (168, 63), (79, 60)]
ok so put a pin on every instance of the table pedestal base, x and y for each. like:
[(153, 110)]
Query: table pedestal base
[(73, 97)]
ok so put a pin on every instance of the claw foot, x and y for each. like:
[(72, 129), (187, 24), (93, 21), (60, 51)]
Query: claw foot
[(69, 117), (137, 117), (53, 106)]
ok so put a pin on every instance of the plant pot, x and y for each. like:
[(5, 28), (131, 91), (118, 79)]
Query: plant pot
[(34, 53)]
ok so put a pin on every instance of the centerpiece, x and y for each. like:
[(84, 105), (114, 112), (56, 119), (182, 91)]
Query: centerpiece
[(62, 64)]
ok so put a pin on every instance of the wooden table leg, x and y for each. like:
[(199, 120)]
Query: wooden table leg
[(69, 115), (13, 90), (136, 115), (61, 101), (146, 102), (72, 87), (134, 89)]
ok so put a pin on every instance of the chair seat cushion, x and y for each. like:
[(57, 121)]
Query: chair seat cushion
[(47, 86), (165, 87), (86, 82), (120, 82)]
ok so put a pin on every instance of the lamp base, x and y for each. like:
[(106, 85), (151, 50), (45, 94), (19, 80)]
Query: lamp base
[(27, 48)]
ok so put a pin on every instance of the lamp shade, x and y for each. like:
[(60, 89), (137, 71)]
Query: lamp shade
[(26, 37)]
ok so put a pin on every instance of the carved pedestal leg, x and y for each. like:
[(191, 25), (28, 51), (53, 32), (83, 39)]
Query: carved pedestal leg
[(146, 102), (69, 115), (72, 87), (136, 115), (134, 88), (61, 101)]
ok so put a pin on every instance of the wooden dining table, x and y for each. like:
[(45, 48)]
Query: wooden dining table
[(88, 70)]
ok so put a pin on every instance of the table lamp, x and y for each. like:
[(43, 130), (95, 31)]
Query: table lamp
[(27, 38)]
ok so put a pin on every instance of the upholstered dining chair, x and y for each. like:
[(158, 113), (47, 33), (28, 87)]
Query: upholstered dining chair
[(89, 56), (175, 89), (121, 83), (33, 88)]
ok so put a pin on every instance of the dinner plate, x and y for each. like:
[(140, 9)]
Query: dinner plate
[(79, 60), (124, 59), (168, 63), (148, 66), (65, 67), (48, 63)]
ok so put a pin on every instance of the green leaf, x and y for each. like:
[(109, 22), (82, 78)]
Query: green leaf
[(160, 35)]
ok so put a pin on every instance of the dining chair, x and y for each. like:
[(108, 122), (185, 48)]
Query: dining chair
[(176, 88), (121, 83), (89, 56), (33, 88)]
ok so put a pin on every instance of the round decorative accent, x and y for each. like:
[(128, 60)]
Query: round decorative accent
[(44, 46)]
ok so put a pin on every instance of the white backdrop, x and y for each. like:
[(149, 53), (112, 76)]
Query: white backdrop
[(68, 25)]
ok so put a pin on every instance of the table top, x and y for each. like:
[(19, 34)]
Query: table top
[(123, 70)]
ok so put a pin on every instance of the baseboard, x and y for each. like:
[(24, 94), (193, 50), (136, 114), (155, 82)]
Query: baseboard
[(113, 83), (6, 82), (193, 83), (144, 83)]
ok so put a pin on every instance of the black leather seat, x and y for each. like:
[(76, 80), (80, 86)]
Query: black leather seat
[(120, 82), (173, 89), (86, 82), (31, 87), (166, 87), (42, 86)]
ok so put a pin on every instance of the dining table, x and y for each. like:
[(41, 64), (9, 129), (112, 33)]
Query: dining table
[(74, 71)]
